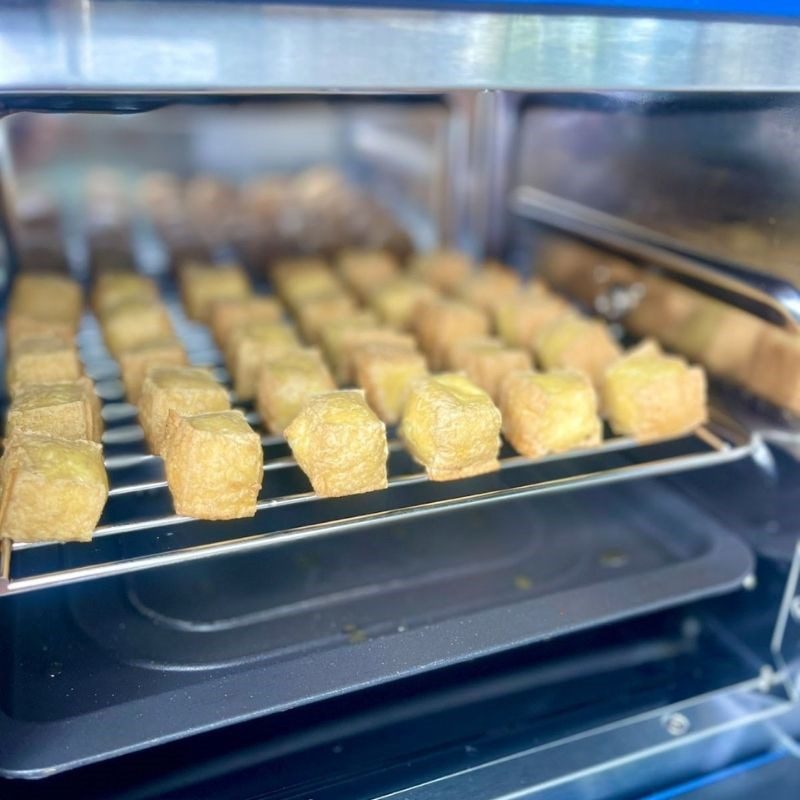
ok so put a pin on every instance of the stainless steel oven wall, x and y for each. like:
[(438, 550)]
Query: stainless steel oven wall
[(403, 150), (716, 173)]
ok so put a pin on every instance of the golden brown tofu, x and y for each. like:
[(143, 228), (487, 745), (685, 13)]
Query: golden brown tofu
[(226, 315), (364, 271), (69, 410), (333, 340), (518, 320), (286, 382), (295, 280), (396, 302), (134, 322), (774, 371), (451, 427), (214, 465), (340, 444), (445, 270), (663, 309), (136, 362), (52, 489), (202, 285), (313, 313), (486, 361), (113, 288), (355, 339), (42, 360), (43, 305), (490, 286), (649, 395), (185, 390), (549, 412), (442, 323), (386, 372), (249, 345), (574, 342)]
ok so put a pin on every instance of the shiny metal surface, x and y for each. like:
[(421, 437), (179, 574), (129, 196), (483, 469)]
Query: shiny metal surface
[(92, 47)]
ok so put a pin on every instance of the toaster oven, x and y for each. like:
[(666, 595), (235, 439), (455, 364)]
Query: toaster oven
[(616, 621)]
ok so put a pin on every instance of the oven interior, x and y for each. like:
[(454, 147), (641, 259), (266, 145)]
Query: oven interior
[(502, 607)]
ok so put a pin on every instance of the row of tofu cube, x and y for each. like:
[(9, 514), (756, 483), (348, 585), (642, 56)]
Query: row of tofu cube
[(542, 412), (54, 481)]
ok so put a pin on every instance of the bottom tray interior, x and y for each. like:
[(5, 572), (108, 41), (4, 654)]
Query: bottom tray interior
[(253, 634)]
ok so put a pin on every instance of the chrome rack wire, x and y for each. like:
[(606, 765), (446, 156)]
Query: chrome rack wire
[(138, 530)]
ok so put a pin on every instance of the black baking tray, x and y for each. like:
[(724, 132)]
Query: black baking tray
[(112, 666)]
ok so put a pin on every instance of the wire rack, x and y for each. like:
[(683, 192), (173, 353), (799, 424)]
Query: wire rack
[(139, 531)]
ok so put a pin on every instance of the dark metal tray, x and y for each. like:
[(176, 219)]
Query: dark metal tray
[(112, 666)]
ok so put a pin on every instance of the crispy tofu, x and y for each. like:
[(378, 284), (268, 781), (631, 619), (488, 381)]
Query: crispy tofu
[(334, 340), (396, 302), (68, 410), (364, 271), (112, 288), (574, 342), (249, 345), (649, 395), (549, 412), (442, 323), (285, 383), (314, 312), (214, 465), (774, 370), (445, 269), (43, 305), (202, 285), (227, 315), (136, 362), (486, 361), (295, 280), (451, 427), (490, 286), (386, 373), (53, 489), (185, 390), (46, 359), (135, 322), (519, 319), (340, 444)]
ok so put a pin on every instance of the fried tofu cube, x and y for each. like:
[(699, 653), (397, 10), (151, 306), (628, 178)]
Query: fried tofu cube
[(451, 427), (574, 342), (226, 315), (486, 361), (396, 302), (296, 280), (356, 339), (518, 320), (43, 305), (445, 270), (202, 285), (333, 340), (313, 313), (135, 322), (442, 323), (68, 410), (340, 444), (185, 390), (53, 489), (113, 288), (286, 382), (214, 465), (364, 271), (386, 373), (46, 359), (549, 412), (774, 370), (491, 285), (136, 362), (249, 345), (649, 395)]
